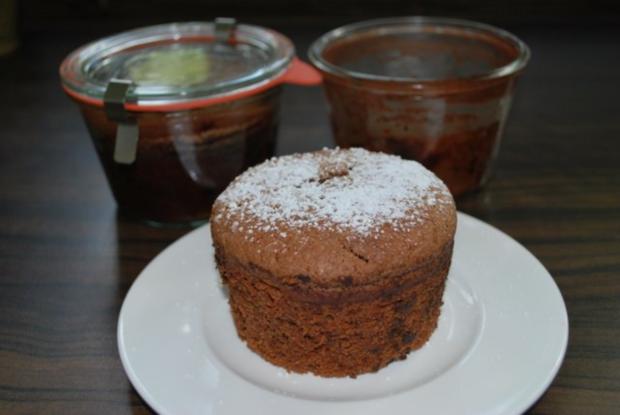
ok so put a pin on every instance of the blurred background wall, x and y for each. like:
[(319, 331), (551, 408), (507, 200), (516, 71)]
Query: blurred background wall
[(42, 14)]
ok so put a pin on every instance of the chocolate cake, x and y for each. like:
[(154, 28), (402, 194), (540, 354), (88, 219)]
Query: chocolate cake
[(336, 260)]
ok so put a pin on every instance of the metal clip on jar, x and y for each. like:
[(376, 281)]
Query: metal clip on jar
[(431, 89), (177, 111)]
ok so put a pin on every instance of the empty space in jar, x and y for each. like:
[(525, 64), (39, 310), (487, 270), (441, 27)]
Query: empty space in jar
[(417, 52)]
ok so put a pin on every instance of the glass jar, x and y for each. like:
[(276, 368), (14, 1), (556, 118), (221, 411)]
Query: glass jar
[(434, 90), (177, 111)]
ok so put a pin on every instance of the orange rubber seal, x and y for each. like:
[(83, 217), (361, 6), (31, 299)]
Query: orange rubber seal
[(297, 73)]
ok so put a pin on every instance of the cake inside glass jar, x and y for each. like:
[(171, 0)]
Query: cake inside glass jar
[(336, 260), (185, 159), (430, 89)]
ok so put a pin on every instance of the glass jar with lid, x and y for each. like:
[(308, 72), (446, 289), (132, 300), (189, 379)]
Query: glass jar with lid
[(176, 111)]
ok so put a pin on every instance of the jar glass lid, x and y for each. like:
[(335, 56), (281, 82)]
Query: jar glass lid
[(178, 62)]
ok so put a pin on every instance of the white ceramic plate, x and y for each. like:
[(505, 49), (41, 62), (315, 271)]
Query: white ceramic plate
[(501, 339)]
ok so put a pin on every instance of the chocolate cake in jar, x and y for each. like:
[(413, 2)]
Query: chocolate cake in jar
[(185, 159), (431, 89), (335, 261)]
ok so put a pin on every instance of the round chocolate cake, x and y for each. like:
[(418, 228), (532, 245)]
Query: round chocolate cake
[(335, 260)]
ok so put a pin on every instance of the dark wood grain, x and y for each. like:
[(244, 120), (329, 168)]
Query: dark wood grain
[(66, 260)]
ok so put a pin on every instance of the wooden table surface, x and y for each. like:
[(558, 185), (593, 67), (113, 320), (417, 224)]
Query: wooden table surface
[(66, 261)]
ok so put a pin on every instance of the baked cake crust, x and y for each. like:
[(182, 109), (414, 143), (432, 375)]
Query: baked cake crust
[(335, 260)]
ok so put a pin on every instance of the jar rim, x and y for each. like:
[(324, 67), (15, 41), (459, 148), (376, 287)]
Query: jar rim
[(392, 25)]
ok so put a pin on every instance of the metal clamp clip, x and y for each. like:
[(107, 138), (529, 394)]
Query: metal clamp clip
[(127, 133), (225, 29)]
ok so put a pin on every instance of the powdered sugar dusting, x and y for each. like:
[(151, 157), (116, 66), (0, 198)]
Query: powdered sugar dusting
[(354, 190)]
